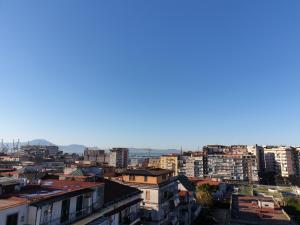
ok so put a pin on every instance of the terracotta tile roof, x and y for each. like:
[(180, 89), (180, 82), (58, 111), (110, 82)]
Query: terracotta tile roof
[(211, 182), (68, 185), (182, 193)]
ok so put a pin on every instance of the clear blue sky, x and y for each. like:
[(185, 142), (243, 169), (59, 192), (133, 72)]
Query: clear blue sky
[(153, 73)]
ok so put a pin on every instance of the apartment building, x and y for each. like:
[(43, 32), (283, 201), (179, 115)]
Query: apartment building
[(40, 151), (170, 162), (154, 162), (159, 193), (258, 151), (121, 206), (188, 209), (119, 157), (182, 164), (52, 202), (191, 165), (297, 161), (230, 163), (63, 202), (95, 155), (281, 160)]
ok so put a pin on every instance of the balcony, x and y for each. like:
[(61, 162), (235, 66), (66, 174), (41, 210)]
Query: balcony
[(72, 217), (131, 218)]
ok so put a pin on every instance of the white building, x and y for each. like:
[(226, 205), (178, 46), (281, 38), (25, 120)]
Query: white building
[(281, 160)]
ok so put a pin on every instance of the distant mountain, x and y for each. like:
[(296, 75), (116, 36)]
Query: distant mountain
[(32, 142), (72, 148), (39, 142), (76, 148)]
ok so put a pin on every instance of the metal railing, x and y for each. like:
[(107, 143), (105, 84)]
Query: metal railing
[(71, 218)]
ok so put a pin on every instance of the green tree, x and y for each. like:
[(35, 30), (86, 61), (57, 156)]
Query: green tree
[(204, 197)]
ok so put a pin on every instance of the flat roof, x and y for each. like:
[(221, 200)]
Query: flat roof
[(148, 172), (245, 210), (10, 202), (114, 192), (49, 190)]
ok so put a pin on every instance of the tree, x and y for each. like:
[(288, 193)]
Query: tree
[(204, 198)]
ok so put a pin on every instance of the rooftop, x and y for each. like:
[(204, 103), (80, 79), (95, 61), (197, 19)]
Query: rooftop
[(49, 190), (257, 210), (10, 202), (114, 192), (5, 181), (148, 172)]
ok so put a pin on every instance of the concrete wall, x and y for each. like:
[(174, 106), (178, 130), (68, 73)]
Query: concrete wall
[(150, 179), (22, 214)]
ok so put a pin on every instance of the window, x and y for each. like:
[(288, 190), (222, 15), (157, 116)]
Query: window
[(148, 195), (65, 210), (164, 177), (79, 205), (12, 219), (145, 178)]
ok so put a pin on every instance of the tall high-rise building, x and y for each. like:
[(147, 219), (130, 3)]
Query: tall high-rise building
[(191, 164), (119, 157), (230, 163), (94, 155), (258, 151), (281, 160)]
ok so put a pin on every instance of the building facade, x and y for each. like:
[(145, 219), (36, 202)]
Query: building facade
[(159, 193), (94, 155), (281, 160), (230, 163), (170, 162), (119, 157)]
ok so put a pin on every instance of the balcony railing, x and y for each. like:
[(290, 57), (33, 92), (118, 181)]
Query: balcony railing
[(130, 218), (73, 217)]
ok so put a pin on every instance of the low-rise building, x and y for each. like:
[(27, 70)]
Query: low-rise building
[(159, 192), (52, 202), (189, 209), (121, 206)]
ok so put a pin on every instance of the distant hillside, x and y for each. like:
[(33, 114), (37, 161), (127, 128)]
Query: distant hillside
[(72, 148), (32, 142), (77, 148), (39, 142)]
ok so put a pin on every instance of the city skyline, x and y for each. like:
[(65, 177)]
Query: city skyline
[(150, 74)]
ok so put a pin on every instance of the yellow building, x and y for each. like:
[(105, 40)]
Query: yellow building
[(169, 162), (154, 162)]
